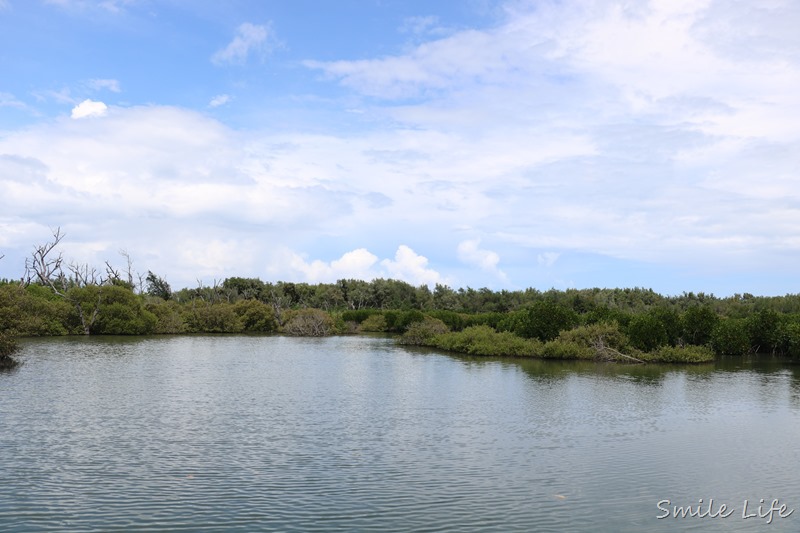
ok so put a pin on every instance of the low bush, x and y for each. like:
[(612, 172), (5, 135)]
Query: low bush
[(559, 349), (310, 323), (422, 333), (374, 323), (680, 354), (483, 340)]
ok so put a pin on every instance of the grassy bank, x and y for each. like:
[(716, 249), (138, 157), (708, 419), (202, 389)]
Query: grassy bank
[(597, 342)]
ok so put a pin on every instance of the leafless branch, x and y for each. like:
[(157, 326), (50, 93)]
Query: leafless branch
[(45, 267)]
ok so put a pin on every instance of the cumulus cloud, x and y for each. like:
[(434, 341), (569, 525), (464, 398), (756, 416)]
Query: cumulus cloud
[(89, 108), (356, 264), (250, 38), (407, 266), (469, 252)]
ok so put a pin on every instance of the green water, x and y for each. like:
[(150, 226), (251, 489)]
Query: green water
[(356, 434)]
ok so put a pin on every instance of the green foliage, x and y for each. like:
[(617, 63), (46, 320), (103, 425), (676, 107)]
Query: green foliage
[(605, 314), (454, 321), (398, 321), (120, 312), (763, 329), (169, 319), (255, 316), (596, 336), (245, 288), (483, 340), (212, 318), (731, 337), (158, 287), (788, 336), (29, 314), (374, 323), (647, 332), (671, 320), (543, 320), (358, 315), (680, 354), (559, 349), (697, 324), (493, 320), (8, 346), (310, 323), (422, 333)]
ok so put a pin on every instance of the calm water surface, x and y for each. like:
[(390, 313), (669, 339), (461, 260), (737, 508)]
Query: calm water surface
[(357, 434)]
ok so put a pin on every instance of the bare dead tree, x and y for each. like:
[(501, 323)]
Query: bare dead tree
[(135, 279), (113, 275), (45, 266), (84, 275)]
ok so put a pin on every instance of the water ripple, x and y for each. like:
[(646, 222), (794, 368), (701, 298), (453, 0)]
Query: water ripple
[(354, 434)]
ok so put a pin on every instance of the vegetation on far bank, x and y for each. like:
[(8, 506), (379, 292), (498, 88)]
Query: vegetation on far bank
[(627, 325)]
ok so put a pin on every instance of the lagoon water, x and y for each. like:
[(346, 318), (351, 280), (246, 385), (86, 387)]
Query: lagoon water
[(238, 433)]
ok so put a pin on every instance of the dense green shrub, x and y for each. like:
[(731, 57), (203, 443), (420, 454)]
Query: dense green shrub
[(29, 313), (731, 337), (422, 333), (559, 349), (255, 316), (8, 346), (120, 312), (310, 323), (597, 336), (680, 354), (697, 324), (543, 320), (603, 314), (492, 320), (788, 336), (375, 323), (647, 332), (454, 321), (763, 329), (169, 316), (216, 318), (358, 315), (483, 340), (398, 321)]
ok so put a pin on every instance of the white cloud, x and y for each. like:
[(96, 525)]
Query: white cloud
[(250, 38), (107, 84), (469, 252), (407, 266), (357, 264), (89, 108), (219, 100), (411, 267)]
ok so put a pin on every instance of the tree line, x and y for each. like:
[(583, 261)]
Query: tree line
[(54, 297)]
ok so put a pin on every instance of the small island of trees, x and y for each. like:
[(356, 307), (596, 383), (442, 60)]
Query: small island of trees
[(633, 325)]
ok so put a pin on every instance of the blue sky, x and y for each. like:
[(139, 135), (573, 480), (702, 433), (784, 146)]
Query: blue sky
[(505, 144)]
